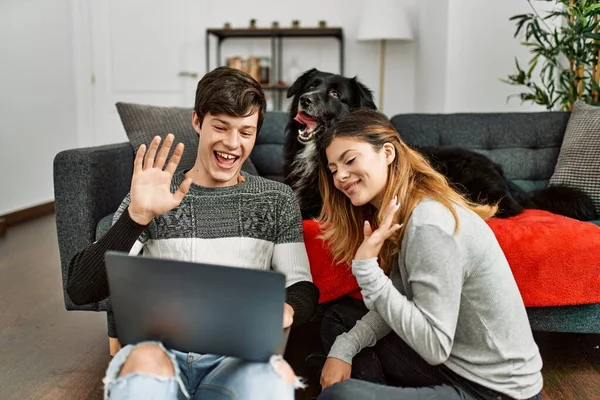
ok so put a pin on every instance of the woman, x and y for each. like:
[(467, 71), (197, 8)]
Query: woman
[(445, 319)]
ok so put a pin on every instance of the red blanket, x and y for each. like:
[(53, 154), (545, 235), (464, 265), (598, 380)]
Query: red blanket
[(555, 260)]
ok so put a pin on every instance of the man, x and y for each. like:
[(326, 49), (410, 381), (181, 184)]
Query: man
[(212, 213)]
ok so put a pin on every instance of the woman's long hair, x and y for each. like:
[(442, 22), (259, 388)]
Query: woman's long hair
[(410, 177)]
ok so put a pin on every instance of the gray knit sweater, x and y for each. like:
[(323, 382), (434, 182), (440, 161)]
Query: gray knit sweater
[(454, 300), (254, 224)]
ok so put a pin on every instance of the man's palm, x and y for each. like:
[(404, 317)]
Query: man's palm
[(151, 185)]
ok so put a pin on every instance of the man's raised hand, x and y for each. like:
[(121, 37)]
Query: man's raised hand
[(151, 182)]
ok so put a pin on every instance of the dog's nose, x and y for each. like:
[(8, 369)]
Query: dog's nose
[(305, 101)]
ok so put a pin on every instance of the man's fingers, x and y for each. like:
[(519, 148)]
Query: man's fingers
[(138, 163), (151, 152), (183, 189), (164, 152), (175, 159)]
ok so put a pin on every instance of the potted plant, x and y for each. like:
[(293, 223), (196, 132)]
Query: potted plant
[(564, 64), (253, 23)]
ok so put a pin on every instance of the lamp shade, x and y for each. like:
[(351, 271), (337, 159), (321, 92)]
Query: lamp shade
[(384, 19)]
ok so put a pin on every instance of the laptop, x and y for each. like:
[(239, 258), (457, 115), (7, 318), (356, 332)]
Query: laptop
[(199, 308)]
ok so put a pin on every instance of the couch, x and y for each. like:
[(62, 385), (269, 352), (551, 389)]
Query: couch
[(90, 183)]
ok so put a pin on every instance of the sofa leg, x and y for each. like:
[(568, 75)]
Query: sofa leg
[(114, 345)]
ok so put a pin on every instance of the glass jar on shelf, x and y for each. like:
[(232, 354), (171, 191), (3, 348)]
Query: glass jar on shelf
[(265, 70), (254, 68)]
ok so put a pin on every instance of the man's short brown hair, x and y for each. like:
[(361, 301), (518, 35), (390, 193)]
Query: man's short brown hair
[(230, 91)]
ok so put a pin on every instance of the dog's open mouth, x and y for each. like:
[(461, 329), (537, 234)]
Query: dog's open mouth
[(310, 126)]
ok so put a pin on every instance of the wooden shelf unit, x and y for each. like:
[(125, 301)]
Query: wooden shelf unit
[(276, 36)]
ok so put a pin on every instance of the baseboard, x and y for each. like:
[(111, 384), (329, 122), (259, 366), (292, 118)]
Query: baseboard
[(26, 214)]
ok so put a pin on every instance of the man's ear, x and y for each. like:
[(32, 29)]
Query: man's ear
[(390, 152), (365, 95), (300, 82), (196, 123)]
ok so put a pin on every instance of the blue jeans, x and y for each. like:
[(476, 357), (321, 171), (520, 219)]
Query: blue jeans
[(205, 377)]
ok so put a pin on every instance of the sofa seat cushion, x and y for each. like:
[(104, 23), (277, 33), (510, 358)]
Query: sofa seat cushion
[(555, 260)]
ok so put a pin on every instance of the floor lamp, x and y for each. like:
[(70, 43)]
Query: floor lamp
[(384, 20)]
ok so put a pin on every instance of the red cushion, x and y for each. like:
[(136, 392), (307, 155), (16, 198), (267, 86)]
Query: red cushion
[(333, 280), (555, 260)]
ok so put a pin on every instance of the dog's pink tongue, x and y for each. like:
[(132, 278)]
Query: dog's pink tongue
[(305, 119)]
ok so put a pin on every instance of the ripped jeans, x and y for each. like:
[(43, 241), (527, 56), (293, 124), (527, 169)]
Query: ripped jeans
[(200, 377)]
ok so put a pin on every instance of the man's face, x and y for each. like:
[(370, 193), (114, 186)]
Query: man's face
[(225, 143)]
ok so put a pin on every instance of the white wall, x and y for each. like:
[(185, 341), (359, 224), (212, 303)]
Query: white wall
[(431, 56), (37, 98), (481, 51)]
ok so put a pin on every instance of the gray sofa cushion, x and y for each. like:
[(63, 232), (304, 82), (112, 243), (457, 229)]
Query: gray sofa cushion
[(267, 155), (578, 164), (144, 122), (526, 145)]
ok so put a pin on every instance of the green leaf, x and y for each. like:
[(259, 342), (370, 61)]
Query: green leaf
[(532, 66), (548, 80), (592, 35)]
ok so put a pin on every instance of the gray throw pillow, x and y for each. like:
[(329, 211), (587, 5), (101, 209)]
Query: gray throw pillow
[(144, 122), (578, 164)]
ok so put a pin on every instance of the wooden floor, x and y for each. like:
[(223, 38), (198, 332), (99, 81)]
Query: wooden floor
[(49, 353)]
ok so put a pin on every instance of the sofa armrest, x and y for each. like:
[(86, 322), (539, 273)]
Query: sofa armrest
[(89, 183)]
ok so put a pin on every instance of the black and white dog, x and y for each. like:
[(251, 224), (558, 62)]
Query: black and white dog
[(320, 98)]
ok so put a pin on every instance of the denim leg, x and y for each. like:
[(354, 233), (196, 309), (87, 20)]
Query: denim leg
[(340, 318), (241, 380), (142, 386), (352, 389)]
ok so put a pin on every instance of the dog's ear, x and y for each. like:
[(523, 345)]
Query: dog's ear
[(300, 82), (365, 95)]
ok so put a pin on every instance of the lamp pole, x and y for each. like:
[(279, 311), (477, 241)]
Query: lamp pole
[(381, 72)]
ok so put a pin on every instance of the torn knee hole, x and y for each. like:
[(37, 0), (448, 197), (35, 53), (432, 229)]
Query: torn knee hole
[(284, 370), (148, 358)]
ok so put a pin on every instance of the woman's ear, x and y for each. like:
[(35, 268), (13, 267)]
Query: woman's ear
[(390, 153)]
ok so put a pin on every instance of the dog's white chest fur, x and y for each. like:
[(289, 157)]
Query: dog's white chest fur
[(304, 165)]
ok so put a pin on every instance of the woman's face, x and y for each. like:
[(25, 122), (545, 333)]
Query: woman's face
[(359, 170)]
